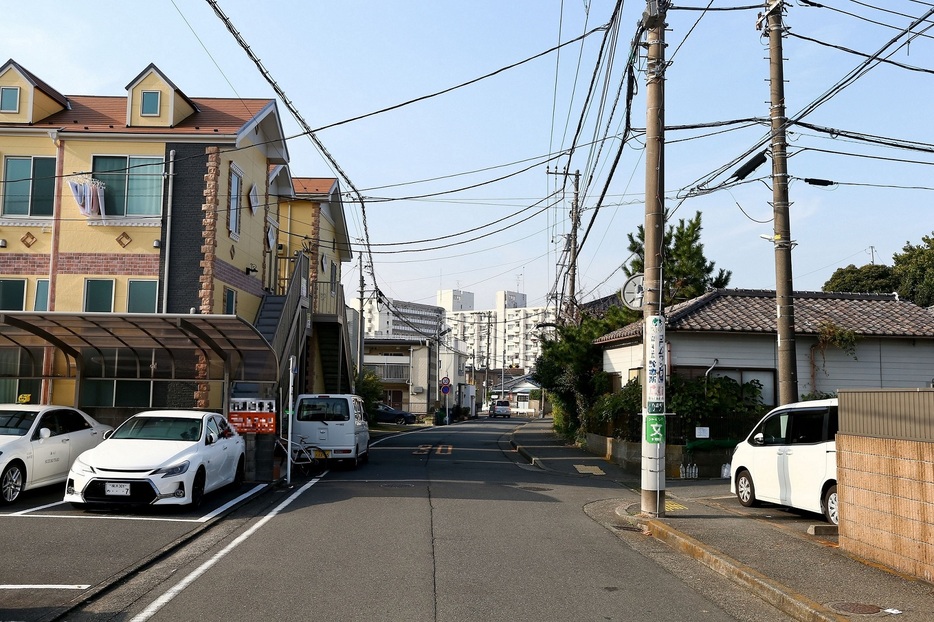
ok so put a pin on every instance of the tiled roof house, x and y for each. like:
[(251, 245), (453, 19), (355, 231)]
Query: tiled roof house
[(733, 333)]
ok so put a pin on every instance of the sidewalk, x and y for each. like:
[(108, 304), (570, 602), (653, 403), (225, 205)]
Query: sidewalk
[(805, 576)]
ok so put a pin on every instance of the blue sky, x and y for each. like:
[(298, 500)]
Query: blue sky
[(337, 60)]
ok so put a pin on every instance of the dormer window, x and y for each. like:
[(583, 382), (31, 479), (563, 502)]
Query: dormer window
[(9, 99), (149, 106)]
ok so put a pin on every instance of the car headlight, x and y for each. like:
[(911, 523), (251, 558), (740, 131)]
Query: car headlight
[(172, 471), (82, 467)]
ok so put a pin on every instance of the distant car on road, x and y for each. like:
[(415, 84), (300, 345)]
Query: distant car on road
[(39, 443), (159, 457), (388, 414), (790, 458), (500, 408)]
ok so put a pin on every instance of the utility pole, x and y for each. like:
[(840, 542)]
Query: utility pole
[(360, 331), (784, 284), (486, 376), (653, 387), (570, 303)]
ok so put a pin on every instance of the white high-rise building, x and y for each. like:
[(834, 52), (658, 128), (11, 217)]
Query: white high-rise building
[(455, 300), (504, 336), (401, 319)]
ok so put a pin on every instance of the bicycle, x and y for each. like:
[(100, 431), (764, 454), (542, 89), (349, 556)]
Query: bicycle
[(306, 458)]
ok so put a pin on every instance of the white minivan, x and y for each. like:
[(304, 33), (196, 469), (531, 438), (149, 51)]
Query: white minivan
[(335, 424), (790, 458)]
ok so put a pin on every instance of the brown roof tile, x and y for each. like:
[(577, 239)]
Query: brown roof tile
[(753, 311), (313, 185), (216, 116)]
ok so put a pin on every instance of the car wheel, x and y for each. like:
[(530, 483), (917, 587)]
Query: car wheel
[(830, 506), (239, 474), (11, 482), (745, 489), (400, 420), (197, 489)]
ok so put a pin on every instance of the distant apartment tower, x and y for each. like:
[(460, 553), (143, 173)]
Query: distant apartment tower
[(401, 319), (504, 336), (452, 300)]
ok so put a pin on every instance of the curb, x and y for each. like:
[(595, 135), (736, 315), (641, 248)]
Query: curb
[(779, 596)]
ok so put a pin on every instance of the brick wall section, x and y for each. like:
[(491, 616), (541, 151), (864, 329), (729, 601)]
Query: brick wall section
[(191, 161), (109, 263), (24, 263), (209, 251), (886, 492)]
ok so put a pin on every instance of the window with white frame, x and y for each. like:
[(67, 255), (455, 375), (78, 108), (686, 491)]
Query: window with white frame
[(12, 294), (132, 185), (42, 295), (99, 295), (149, 103), (9, 99), (28, 186), (235, 190), (141, 296), (230, 301)]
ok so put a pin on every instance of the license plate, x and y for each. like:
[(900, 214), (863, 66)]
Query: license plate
[(319, 453), (117, 489)]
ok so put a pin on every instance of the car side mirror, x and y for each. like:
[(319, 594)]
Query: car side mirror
[(211, 439), (758, 439), (44, 433), (108, 434)]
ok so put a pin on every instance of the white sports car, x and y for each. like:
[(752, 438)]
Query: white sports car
[(159, 457), (39, 443)]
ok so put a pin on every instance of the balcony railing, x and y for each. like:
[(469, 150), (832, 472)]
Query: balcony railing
[(327, 300), (389, 372)]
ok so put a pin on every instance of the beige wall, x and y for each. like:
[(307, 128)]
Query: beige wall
[(886, 492)]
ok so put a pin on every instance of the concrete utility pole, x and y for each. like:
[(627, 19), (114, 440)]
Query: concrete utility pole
[(569, 310), (653, 388), (360, 332), (784, 285)]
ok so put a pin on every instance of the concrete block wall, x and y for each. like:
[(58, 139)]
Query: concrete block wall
[(886, 492)]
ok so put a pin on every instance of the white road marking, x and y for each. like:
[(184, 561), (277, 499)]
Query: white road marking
[(168, 596), (44, 587), (158, 519)]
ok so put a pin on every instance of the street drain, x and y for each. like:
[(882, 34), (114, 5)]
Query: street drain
[(856, 608)]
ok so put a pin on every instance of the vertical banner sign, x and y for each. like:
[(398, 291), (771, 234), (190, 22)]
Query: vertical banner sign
[(655, 429), (655, 365)]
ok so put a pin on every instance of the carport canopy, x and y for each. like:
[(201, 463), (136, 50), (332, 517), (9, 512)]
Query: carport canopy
[(145, 346)]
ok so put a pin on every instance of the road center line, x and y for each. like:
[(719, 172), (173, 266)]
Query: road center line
[(168, 596)]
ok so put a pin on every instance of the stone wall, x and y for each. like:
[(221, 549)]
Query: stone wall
[(886, 492)]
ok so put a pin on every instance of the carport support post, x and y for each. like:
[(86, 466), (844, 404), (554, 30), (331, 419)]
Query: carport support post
[(653, 387), (289, 410)]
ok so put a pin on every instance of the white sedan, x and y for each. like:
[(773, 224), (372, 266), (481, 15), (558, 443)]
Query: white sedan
[(159, 457), (39, 443)]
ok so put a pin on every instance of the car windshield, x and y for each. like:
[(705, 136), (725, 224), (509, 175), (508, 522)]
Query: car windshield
[(323, 409), (160, 429), (16, 422)]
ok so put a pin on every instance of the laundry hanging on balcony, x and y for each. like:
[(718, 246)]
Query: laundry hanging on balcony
[(88, 193)]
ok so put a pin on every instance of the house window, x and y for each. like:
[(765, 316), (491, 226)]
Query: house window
[(149, 106), (141, 296), (9, 99), (99, 390), (99, 295), (12, 294), (133, 185), (230, 301), (235, 188), (42, 295), (333, 278), (29, 186)]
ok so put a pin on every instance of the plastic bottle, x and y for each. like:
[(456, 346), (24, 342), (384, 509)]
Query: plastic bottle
[(682, 470)]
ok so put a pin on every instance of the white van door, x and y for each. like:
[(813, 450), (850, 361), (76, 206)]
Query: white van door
[(768, 464), (806, 458)]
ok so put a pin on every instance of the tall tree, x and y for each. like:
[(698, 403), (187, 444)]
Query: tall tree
[(914, 267), (686, 273), (868, 279)]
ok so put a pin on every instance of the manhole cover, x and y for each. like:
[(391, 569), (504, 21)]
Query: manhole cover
[(857, 608)]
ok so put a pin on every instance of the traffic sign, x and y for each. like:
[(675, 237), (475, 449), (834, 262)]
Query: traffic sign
[(446, 389), (445, 381)]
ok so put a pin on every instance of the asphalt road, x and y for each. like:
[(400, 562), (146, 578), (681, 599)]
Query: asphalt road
[(444, 524)]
